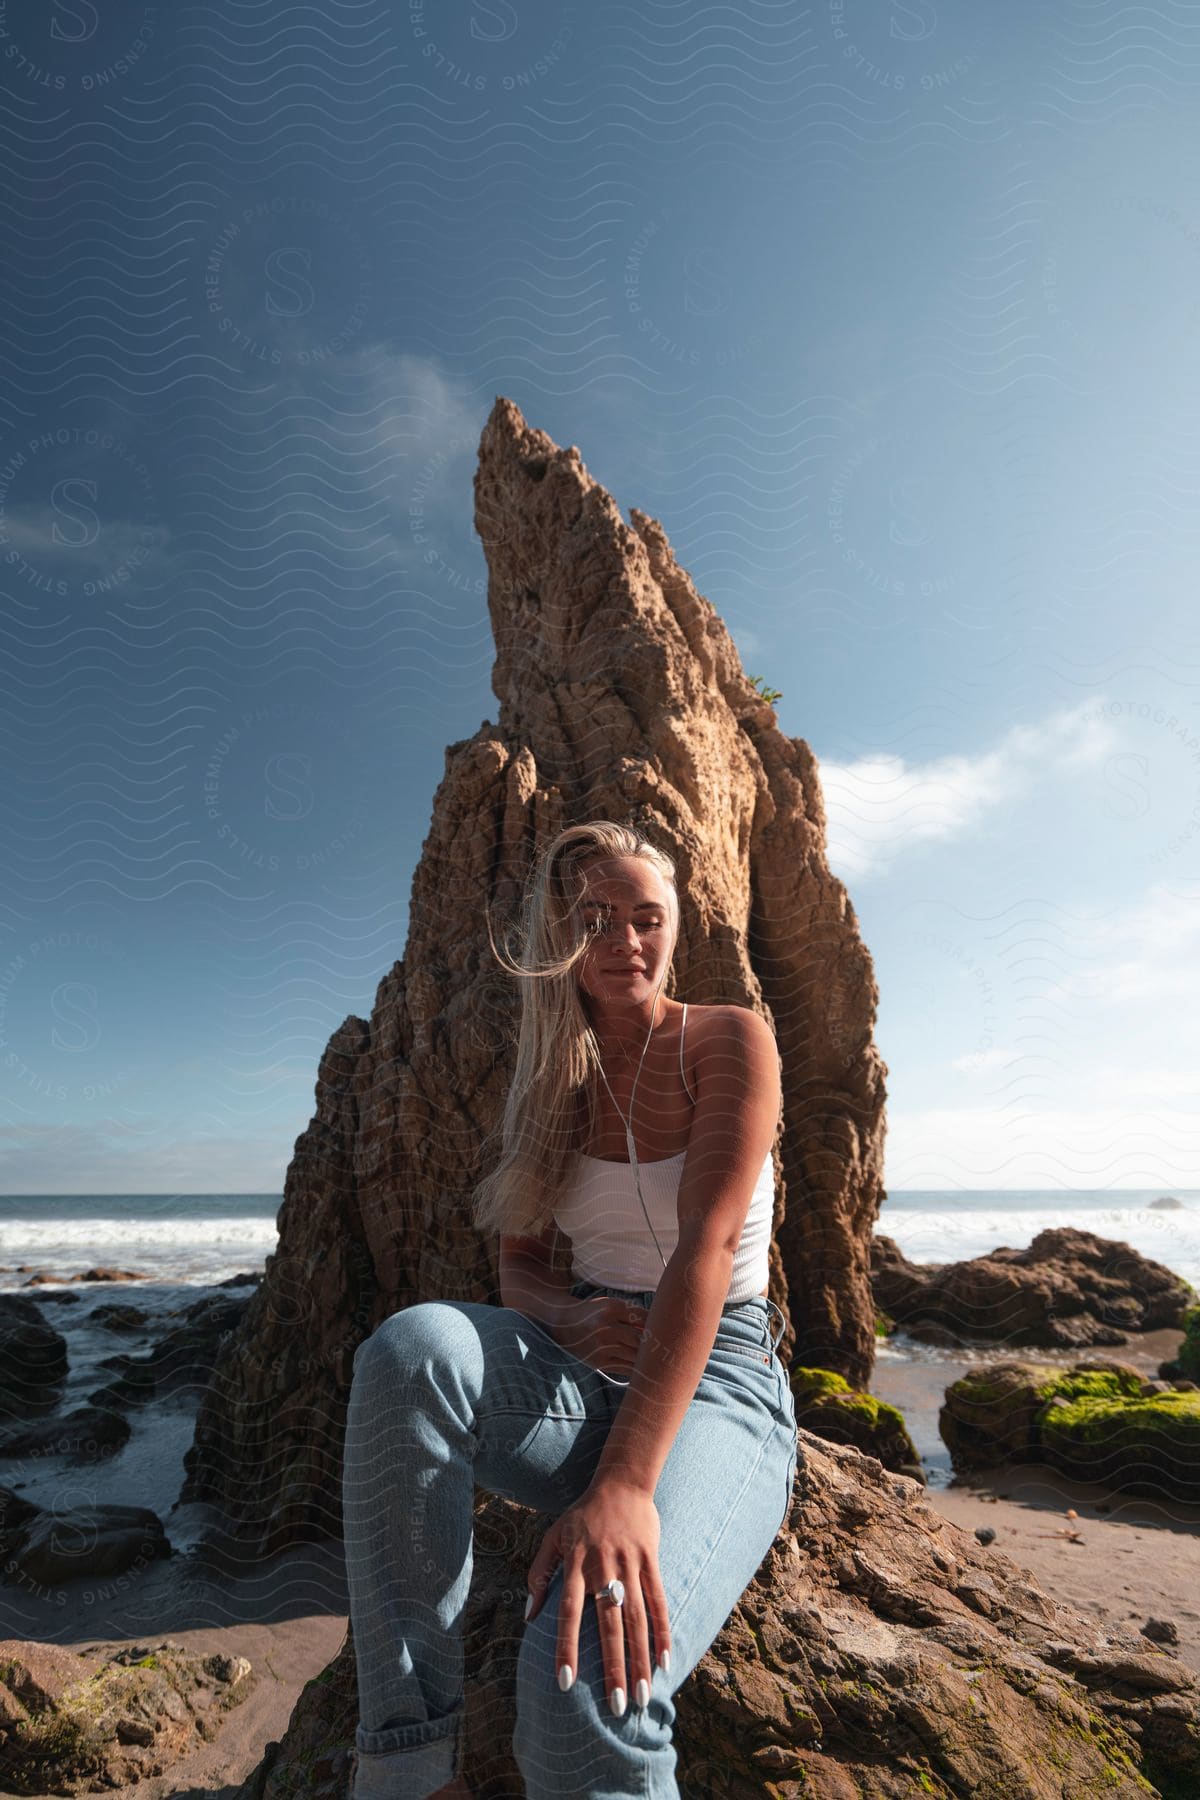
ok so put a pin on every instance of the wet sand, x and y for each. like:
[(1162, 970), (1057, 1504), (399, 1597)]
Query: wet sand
[(1138, 1559)]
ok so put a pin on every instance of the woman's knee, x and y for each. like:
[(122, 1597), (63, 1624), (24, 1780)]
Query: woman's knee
[(407, 1340), (537, 1657), (555, 1737)]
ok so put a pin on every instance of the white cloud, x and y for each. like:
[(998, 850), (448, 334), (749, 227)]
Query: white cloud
[(392, 443), (881, 807)]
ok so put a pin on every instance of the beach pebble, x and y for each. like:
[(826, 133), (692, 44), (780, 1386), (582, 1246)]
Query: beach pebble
[(1161, 1631), (985, 1534)]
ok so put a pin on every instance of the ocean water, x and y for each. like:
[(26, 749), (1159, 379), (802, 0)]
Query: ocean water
[(198, 1239), (191, 1240)]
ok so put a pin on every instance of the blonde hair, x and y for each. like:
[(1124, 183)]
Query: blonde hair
[(557, 1053)]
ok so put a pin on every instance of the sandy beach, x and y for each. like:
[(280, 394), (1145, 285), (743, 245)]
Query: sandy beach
[(1138, 1560)]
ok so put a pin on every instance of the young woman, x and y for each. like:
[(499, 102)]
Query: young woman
[(643, 1401)]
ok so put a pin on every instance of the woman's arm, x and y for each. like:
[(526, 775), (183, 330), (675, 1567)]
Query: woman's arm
[(733, 1129), (529, 1282)]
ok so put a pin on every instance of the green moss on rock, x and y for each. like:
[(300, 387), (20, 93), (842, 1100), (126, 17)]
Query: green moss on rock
[(1149, 1445), (1189, 1351), (811, 1384), (1092, 1384), (830, 1408), (1092, 1422)]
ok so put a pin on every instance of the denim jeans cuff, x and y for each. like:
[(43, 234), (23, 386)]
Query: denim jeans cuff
[(413, 1760)]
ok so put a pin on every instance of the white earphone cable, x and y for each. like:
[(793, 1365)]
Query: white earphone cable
[(628, 1124)]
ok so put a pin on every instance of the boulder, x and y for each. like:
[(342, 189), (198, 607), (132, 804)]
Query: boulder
[(68, 1543), (1185, 1363), (43, 1275), (1092, 1422), (33, 1359), (1145, 1445), (830, 1408), (880, 1651), (118, 1318), (182, 1358), (1068, 1289), (76, 1723), (988, 1417), (89, 1434)]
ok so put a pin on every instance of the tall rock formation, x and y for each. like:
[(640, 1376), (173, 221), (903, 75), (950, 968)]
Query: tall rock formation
[(621, 695)]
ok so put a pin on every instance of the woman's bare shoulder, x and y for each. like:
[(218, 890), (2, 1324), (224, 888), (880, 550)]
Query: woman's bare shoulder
[(728, 1031), (722, 1020)]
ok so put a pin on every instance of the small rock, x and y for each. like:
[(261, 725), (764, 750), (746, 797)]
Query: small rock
[(89, 1433), (44, 1275), (135, 1731), (118, 1318), (1151, 1673), (985, 1534), (51, 1545), (1161, 1631)]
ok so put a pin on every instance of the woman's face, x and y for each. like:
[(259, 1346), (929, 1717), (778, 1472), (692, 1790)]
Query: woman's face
[(625, 905)]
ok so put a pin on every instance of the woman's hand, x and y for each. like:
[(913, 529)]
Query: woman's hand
[(612, 1529), (601, 1330)]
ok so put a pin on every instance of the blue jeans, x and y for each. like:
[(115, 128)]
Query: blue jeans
[(451, 1394)]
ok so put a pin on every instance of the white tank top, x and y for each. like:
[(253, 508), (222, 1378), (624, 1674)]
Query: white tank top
[(611, 1244)]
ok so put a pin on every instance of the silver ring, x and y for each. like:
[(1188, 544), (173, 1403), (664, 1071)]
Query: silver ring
[(613, 1590)]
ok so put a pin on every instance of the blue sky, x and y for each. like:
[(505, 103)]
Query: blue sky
[(890, 315)]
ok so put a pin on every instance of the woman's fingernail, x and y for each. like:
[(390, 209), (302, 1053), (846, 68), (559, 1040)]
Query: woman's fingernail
[(643, 1692), (664, 1659), (617, 1701), (529, 1606), (566, 1676)]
